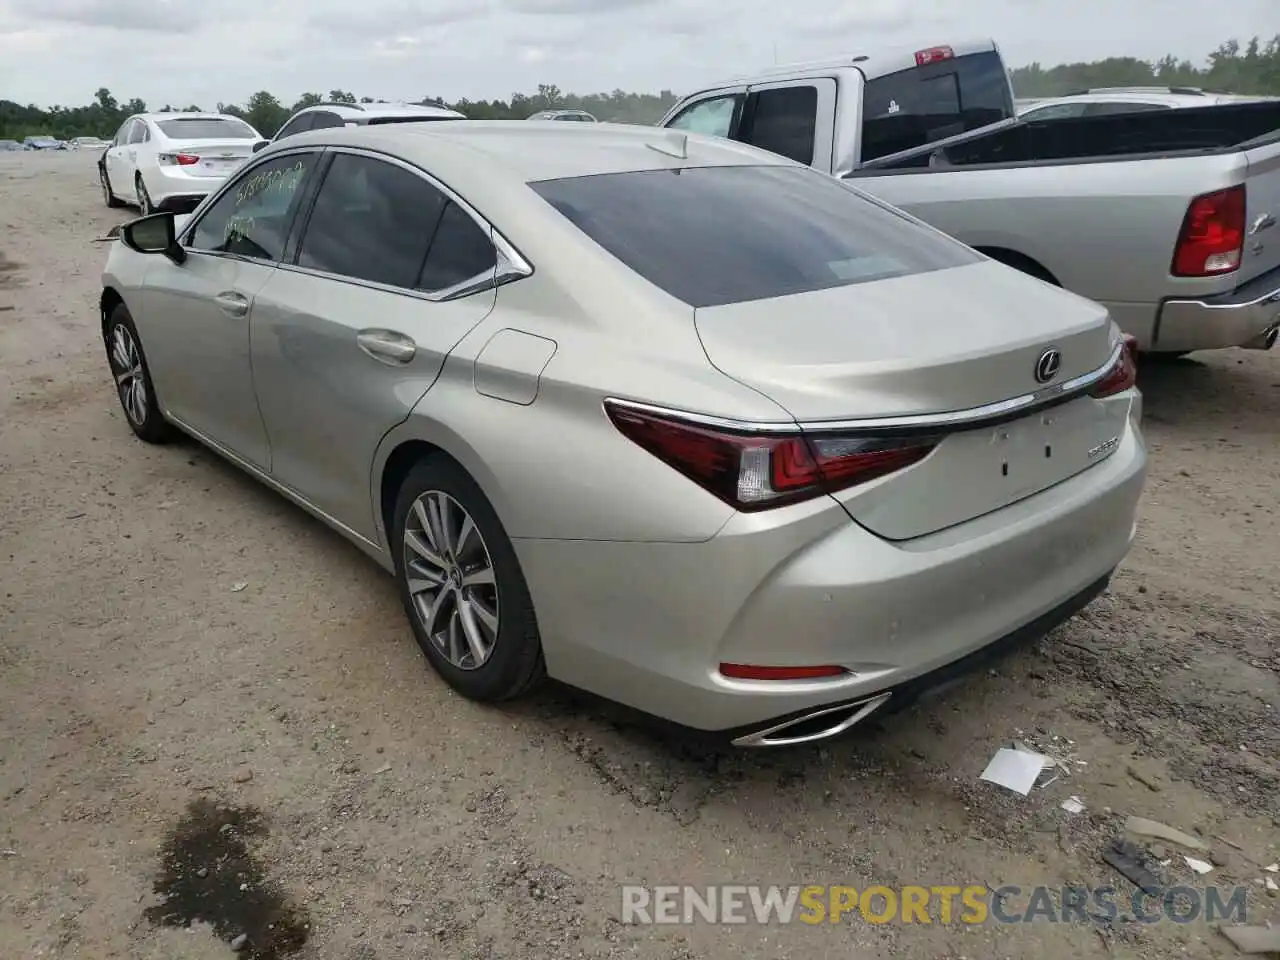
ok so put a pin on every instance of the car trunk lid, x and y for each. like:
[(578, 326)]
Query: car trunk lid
[(933, 353), (212, 157)]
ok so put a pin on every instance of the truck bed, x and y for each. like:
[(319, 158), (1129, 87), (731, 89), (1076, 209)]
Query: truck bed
[(1097, 205), (1137, 136)]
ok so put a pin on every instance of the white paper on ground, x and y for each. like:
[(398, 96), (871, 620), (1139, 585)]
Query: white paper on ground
[(1015, 770), (1199, 866), (1073, 805)]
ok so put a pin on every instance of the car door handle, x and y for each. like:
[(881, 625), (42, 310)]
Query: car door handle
[(235, 304), (387, 346)]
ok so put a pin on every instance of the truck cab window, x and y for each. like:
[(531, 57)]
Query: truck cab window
[(783, 121), (921, 105), (713, 117)]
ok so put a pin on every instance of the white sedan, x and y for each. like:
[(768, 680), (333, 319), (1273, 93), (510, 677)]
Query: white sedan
[(172, 161)]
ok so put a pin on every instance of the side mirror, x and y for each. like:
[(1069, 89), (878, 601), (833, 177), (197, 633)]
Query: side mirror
[(153, 234), (261, 144)]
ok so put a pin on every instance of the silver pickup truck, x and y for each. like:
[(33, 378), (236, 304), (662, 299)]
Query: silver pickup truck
[(1167, 218)]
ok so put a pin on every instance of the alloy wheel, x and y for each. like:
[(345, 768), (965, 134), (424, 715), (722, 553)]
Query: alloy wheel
[(451, 580), (126, 365), (144, 198)]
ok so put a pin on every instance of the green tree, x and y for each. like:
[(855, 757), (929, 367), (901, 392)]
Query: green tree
[(265, 113), (1251, 66)]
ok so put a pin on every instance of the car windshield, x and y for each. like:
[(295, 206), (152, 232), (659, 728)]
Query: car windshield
[(206, 128), (719, 235)]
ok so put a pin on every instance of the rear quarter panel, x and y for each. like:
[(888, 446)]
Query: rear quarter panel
[(1262, 219), (1103, 229)]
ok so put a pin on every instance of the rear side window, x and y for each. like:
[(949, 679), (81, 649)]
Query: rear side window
[(784, 121), (1112, 107), (206, 128), (921, 105), (371, 221), (713, 117), (461, 251), (719, 235)]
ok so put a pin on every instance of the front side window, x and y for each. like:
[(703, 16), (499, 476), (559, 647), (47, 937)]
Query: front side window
[(784, 121), (122, 135), (718, 235), (371, 221), (324, 119), (299, 124), (252, 218), (922, 105), (713, 117)]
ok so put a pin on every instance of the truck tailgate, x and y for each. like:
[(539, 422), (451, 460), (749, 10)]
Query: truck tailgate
[(1262, 213)]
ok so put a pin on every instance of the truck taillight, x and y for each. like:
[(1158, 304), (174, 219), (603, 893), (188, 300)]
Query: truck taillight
[(1212, 237), (756, 471), (933, 55)]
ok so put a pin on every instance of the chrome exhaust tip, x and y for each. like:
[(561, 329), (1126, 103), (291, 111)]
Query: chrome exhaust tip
[(812, 727), (1266, 341)]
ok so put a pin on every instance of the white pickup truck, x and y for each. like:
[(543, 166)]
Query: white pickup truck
[(1167, 218)]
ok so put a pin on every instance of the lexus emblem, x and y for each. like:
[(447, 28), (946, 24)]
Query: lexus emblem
[(1048, 365)]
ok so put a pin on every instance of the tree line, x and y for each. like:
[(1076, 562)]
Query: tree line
[(1252, 67), (267, 113)]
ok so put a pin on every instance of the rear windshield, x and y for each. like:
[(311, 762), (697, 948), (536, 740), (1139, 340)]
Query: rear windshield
[(204, 128), (925, 104), (718, 235)]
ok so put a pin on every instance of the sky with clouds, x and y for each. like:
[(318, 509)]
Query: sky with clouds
[(205, 51)]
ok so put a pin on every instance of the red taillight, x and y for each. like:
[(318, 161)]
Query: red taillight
[(933, 55), (181, 159), (759, 471), (1212, 237), (1122, 375), (744, 671)]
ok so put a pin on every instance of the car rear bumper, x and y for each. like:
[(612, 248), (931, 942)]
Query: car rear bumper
[(647, 624), (1243, 317), (173, 190)]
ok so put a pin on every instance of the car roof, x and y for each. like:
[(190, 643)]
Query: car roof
[(1138, 96), (473, 151), (356, 111)]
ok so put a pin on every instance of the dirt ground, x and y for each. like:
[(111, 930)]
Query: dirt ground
[(195, 676)]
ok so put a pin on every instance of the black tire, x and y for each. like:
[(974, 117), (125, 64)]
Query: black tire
[(515, 664), (151, 426), (1164, 356), (145, 206), (1024, 264), (111, 199)]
